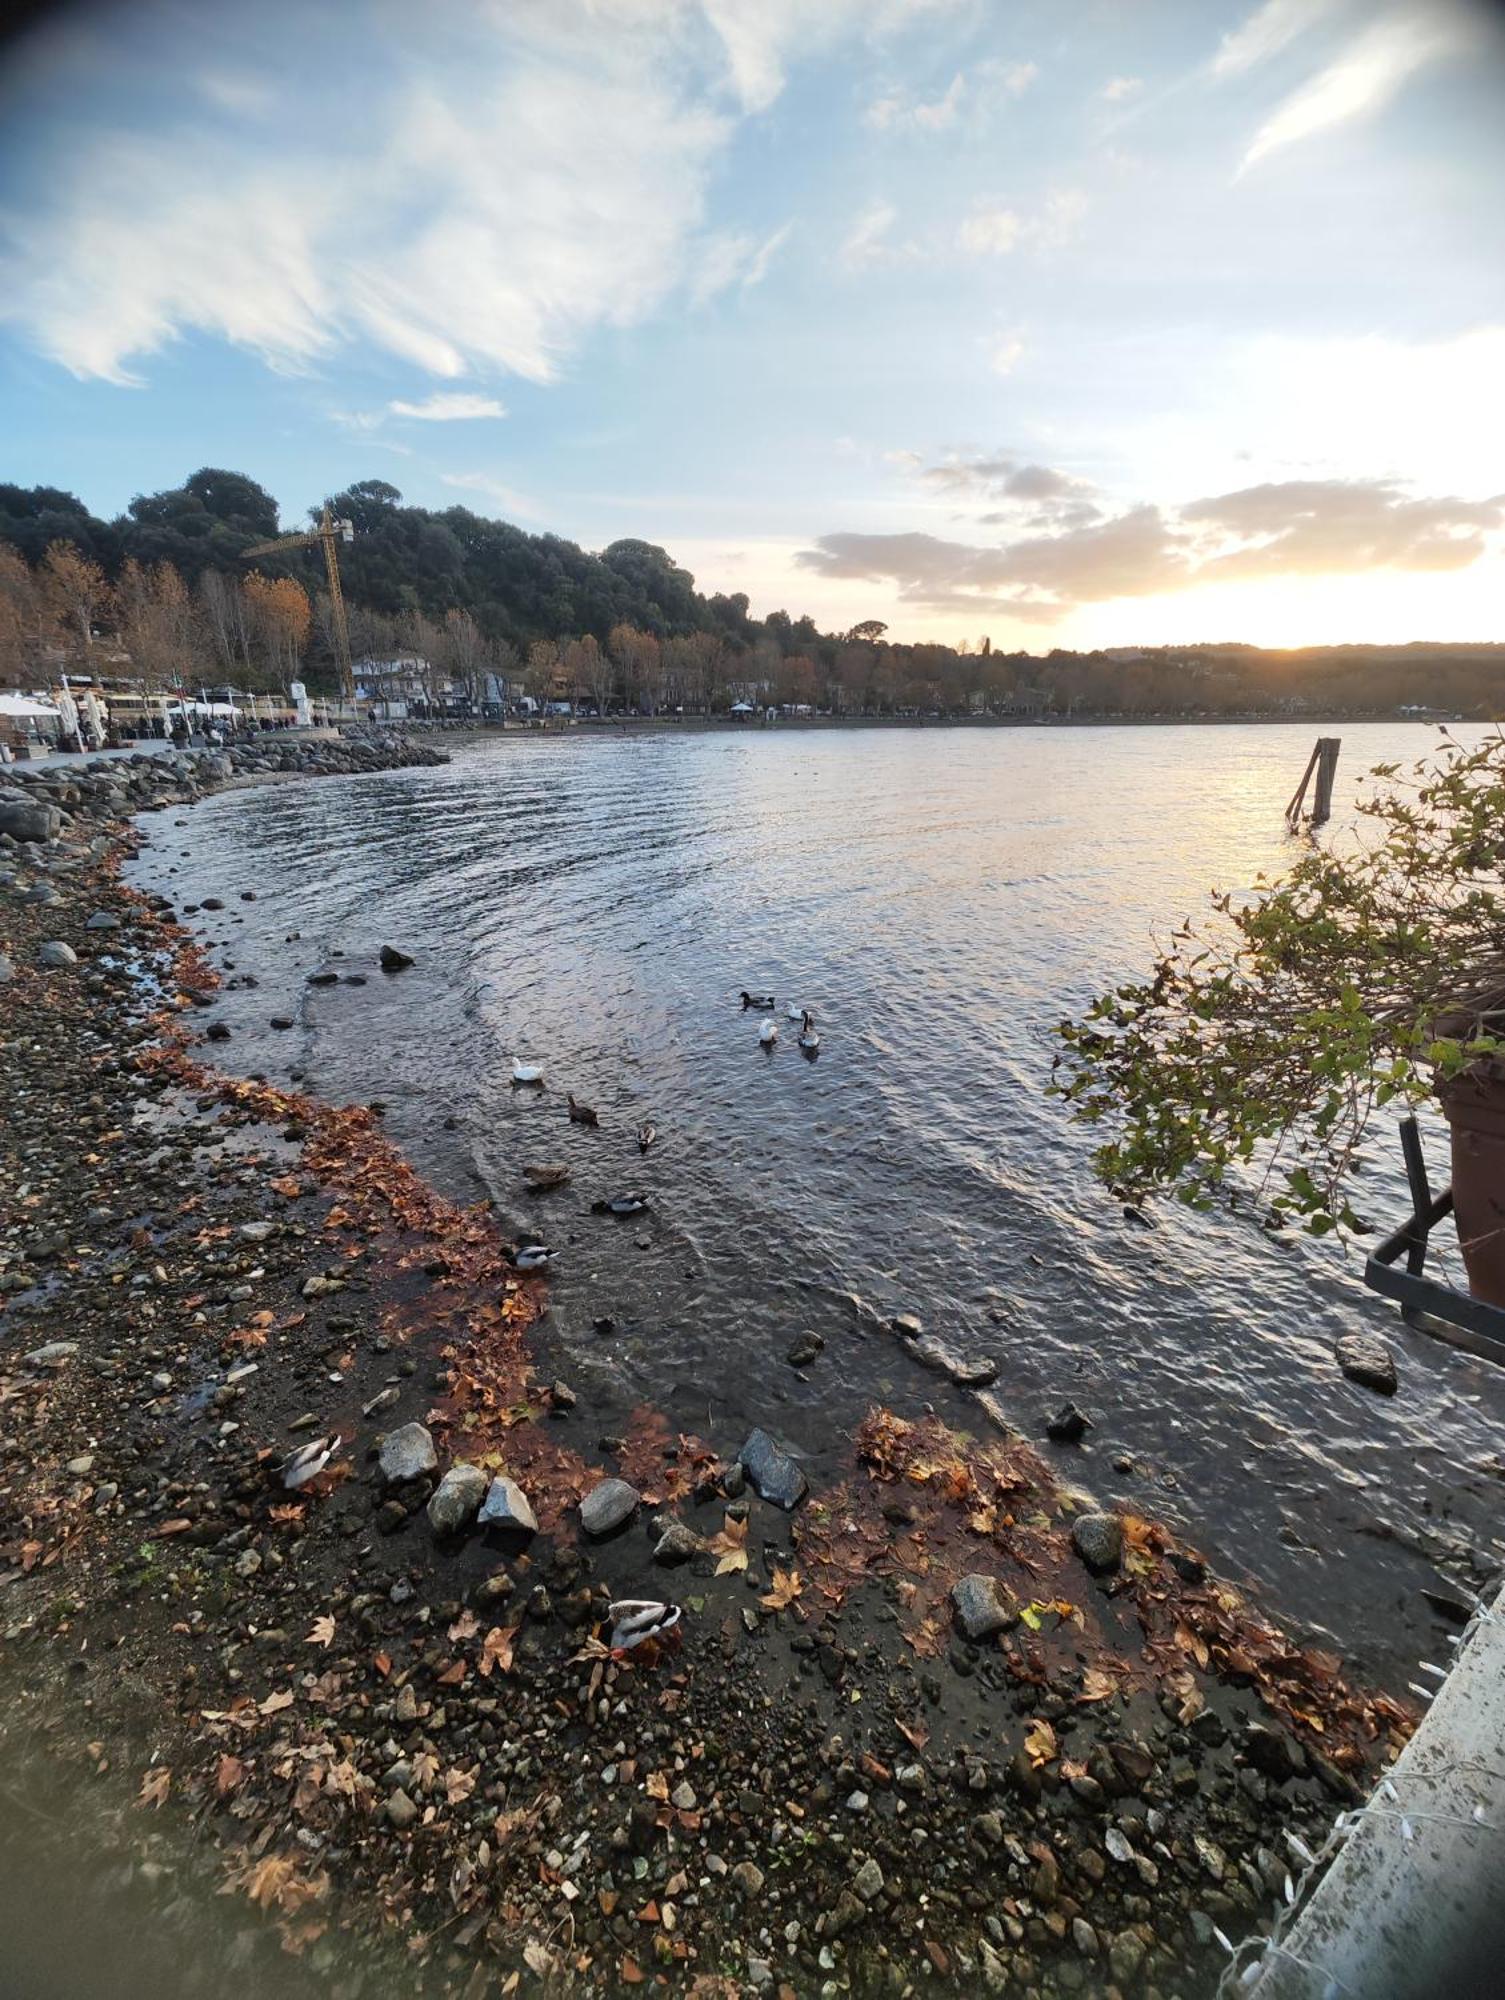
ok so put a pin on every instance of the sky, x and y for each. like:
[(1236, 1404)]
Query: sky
[(1095, 322)]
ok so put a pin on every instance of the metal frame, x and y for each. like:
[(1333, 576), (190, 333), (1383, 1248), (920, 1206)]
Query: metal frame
[(1435, 1308)]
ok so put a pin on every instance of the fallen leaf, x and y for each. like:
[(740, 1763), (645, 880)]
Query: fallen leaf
[(916, 1734), (496, 1650), (1097, 1686), (729, 1547), (321, 1631), (228, 1773), (1040, 1741), (155, 1786), (1188, 1641), (786, 1588), (280, 1698)]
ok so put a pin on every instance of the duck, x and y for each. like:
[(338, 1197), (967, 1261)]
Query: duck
[(308, 1461), (809, 1040), (532, 1257), (551, 1174), (582, 1114), (620, 1204), (768, 1034), (526, 1072), (794, 1012), (635, 1620), (756, 1000), (646, 1136)]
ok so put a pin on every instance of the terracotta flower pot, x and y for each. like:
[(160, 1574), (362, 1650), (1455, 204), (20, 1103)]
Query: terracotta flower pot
[(1475, 1107)]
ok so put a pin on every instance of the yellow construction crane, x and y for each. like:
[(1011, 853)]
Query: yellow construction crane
[(328, 532)]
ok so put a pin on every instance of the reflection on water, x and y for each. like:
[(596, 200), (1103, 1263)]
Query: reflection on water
[(938, 898)]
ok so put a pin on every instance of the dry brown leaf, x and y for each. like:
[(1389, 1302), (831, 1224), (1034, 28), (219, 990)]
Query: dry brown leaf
[(656, 1785), (280, 1698), (786, 1588), (465, 1626), (916, 1734), (228, 1773), (496, 1650), (1097, 1686), (729, 1547), (267, 1881), (1040, 1741), (458, 1784), (321, 1631), (1188, 1641), (155, 1786)]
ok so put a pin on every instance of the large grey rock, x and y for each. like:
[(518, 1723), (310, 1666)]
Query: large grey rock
[(1365, 1359), (971, 1371), (1099, 1540), (980, 1607), (50, 1356), (55, 955), (607, 1506), (407, 1453), (456, 1499), (7, 970), (23, 820), (103, 920), (773, 1472), (506, 1506)]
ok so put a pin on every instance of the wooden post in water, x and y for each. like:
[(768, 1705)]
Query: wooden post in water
[(1324, 761)]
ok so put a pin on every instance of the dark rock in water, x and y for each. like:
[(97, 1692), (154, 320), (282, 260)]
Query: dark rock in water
[(1099, 1540), (804, 1350), (607, 1506), (980, 1607), (906, 1326), (325, 978), (968, 1371), (1068, 1425), (456, 1499), (1272, 1752), (507, 1506), (393, 960), (217, 1031), (1365, 1359), (407, 1453), (281, 1021), (211, 903), (773, 1472), (1188, 1568)]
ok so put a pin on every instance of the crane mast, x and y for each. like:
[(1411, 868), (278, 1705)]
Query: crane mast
[(327, 533)]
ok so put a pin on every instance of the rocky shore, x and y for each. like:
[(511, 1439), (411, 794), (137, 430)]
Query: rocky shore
[(307, 1548)]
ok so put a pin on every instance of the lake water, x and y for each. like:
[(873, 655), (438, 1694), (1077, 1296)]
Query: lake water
[(938, 897)]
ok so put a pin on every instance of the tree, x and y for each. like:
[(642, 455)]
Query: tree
[(79, 592), (468, 654), (223, 616), (279, 615), (639, 661), (27, 622), (158, 623)]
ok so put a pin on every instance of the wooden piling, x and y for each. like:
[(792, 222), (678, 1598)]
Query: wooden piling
[(1324, 761)]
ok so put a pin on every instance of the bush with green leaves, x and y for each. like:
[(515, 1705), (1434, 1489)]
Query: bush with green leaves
[(1251, 1064)]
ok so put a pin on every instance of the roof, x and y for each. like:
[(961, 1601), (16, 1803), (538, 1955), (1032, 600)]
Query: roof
[(23, 704)]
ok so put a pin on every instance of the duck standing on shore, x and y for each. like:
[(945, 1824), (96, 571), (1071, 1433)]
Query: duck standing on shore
[(582, 1114)]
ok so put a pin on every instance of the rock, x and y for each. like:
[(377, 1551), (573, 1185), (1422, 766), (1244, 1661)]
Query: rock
[(1269, 1751), (607, 1506), (677, 1544), (506, 1506), (774, 1474), (103, 920), (52, 1355), (407, 1453), (393, 960), (748, 1877), (257, 1232), (1365, 1359), (682, 1798), (54, 955), (1126, 1954), (980, 1609), (1068, 1425), (1099, 1540), (804, 1350), (7, 970), (868, 1881), (1084, 1937), (281, 1021), (456, 1499), (400, 1809), (217, 1031), (906, 1326), (24, 821)]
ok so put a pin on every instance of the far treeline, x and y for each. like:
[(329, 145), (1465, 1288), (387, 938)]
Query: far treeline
[(477, 600)]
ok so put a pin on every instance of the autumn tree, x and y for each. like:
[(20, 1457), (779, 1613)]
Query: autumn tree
[(158, 623), (468, 654), (639, 662), (79, 593), (542, 668), (279, 616), (27, 620), (227, 630)]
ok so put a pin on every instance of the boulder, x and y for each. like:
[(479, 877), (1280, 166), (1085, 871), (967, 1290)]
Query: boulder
[(506, 1506), (980, 1607), (1365, 1359), (23, 820), (55, 955), (393, 960), (1099, 1540), (607, 1506), (7, 970), (773, 1472), (407, 1453), (677, 1544), (1068, 1425), (103, 920), (456, 1499)]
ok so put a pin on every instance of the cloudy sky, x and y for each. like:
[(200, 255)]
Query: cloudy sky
[(1087, 322)]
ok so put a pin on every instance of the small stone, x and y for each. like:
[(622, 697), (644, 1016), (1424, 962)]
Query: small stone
[(857, 1802), (677, 1544), (682, 1798), (407, 1453), (1364, 1358), (81, 1465), (1099, 1540), (748, 1877), (257, 1232), (607, 1506), (804, 1350), (906, 1326), (868, 1881), (1126, 1954), (54, 955), (1269, 1751), (1084, 1937), (456, 1499), (774, 1474), (393, 960), (103, 920), (52, 1355), (980, 1609), (401, 1810), (506, 1506), (1068, 1425)]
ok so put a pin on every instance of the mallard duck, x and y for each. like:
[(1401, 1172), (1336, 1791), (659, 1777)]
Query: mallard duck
[(620, 1204), (553, 1174), (532, 1257), (768, 1034), (308, 1461), (526, 1072), (756, 1000), (635, 1620), (581, 1114), (646, 1136), (809, 1040)]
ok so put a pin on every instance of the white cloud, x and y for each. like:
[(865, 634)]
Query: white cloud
[(868, 242), (761, 38), (990, 232), (449, 408), (891, 113), (1364, 78), (1119, 88), (495, 490), (1006, 355), (1013, 77), (730, 257), (993, 229), (1266, 32)]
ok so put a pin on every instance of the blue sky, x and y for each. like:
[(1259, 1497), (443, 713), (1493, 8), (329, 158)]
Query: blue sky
[(1071, 324)]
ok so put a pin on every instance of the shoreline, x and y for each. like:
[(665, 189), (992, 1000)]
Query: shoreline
[(1068, 1802)]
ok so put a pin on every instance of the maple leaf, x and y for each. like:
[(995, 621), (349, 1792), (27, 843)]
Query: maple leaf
[(1040, 1741), (155, 1786), (281, 1698), (425, 1769), (729, 1547), (458, 1784), (1097, 1686), (465, 1626), (267, 1881), (656, 1785), (321, 1631), (496, 1650), (228, 1773), (786, 1588)]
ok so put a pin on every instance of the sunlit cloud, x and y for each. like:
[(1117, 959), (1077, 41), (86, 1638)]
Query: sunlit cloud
[(448, 408), (1267, 31), (501, 495), (892, 113)]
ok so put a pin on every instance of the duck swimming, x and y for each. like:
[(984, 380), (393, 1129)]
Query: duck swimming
[(768, 1034), (809, 1040), (794, 1012), (526, 1072), (551, 1174), (620, 1204), (756, 1000), (532, 1257), (646, 1136), (582, 1114)]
